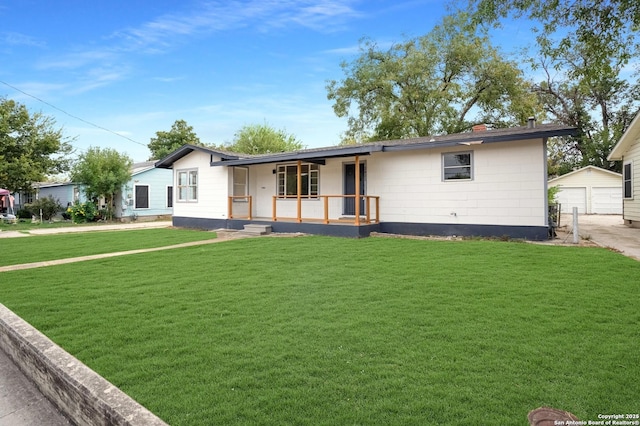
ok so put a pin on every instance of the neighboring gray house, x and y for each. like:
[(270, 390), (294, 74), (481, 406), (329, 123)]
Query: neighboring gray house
[(147, 196), (65, 192)]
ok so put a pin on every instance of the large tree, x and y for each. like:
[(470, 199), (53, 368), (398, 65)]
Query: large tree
[(103, 172), (584, 51), (30, 147), (166, 142), (443, 82), (263, 139)]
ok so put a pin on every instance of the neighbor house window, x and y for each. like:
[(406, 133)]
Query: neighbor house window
[(287, 176), (188, 185), (240, 182), (457, 166), (627, 180), (142, 197), (169, 196), (27, 198)]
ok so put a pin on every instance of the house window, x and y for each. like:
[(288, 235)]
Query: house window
[(287, 176), (240, 182), (188, 185), (627, 180), (457, 166), (169, 196), (142, 197), (27, 198)]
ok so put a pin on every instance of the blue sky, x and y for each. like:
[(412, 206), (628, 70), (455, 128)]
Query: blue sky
[(135, 67)]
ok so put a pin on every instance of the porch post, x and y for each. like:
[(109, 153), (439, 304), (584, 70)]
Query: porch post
[(357, 198), (299, 218)]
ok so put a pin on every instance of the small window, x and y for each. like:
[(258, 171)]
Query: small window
[(142, 197), (627, 180), (188, 185), (457, 166), (287, 180), (169, 196), (240, 182)]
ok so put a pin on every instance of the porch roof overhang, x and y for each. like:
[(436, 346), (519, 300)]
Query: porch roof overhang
[(311, 156)]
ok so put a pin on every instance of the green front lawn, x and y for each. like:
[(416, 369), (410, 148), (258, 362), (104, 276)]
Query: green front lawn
[(319, 330), (38, 248)]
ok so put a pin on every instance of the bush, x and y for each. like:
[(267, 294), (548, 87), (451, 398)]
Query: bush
[(47, 205), (24, 213), (83, 212)]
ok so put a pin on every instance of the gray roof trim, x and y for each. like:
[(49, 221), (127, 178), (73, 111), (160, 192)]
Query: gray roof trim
[(513, 134), (184, 150), (490, 136), (306, 155)]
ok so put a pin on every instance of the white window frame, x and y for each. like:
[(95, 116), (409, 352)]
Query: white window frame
[(135, 197), (445, 167), (313, 181), (241, 189), (627, 178), (187, 189)]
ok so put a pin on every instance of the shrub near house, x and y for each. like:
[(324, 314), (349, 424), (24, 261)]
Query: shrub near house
[(83, 212)]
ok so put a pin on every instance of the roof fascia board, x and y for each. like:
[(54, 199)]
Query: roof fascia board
[(629, 135), (597, 169), (310, 156), (184, 150)]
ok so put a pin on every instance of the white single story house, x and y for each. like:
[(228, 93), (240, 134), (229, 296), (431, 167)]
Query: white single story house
[(481, 183), (591, 189), (147, 196), (627, 150)]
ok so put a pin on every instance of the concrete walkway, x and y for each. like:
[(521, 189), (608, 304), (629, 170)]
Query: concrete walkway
[(86, 228), (21, 403), (608, 231)]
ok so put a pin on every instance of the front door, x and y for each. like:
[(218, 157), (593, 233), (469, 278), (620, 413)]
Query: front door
[(350, 188)]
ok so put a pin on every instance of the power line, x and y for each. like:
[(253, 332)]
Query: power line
[(71, 115)]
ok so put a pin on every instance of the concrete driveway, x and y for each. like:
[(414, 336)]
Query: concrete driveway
[(606, 231)]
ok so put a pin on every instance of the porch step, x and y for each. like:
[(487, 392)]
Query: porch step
[(256, 229)]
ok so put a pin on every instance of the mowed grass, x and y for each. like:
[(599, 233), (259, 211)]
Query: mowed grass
[(38, 248), (325, 331)]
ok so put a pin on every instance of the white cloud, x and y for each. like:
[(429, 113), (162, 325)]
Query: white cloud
[(214, 16), (18, 39)]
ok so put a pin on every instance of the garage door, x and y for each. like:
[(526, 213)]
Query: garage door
[(573, 197), (606, 200)]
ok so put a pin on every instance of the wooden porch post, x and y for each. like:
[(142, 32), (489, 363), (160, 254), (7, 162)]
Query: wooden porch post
[(357, 198), (299, 218)]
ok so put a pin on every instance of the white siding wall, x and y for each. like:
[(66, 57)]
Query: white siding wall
[(632, 206), (508, 187), (213, 188)]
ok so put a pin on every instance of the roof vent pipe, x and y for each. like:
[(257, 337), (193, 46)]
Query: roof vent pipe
[(531, 123)]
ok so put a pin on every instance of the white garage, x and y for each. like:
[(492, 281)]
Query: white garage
[(591, 189)]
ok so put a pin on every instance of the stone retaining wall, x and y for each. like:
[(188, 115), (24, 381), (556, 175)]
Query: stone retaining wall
[(80, 393)]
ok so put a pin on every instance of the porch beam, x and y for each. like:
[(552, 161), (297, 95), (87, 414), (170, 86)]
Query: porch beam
[(357, 198), (299, 215)]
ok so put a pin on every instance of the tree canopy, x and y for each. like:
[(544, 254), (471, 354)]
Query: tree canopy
[(30, 147), (103, 172), (166, 142), (584, 51), (443, 82), (263, 139)]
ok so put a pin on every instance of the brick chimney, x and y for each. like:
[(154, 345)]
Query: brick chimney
[(479, 128)]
